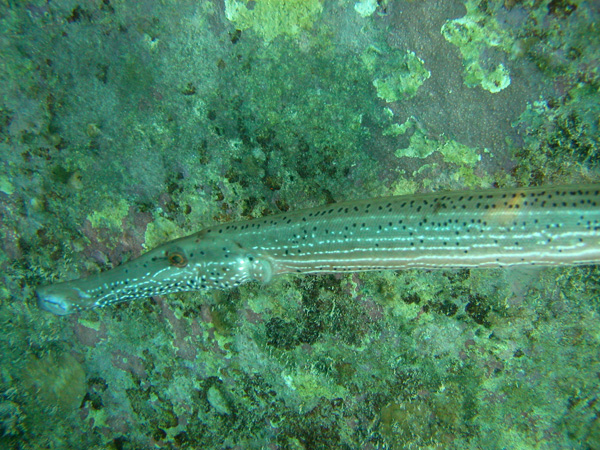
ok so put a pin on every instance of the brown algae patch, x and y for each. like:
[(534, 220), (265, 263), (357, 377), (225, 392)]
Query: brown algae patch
[(54, 381)]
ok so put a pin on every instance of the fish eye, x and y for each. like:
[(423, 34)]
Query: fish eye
[(177, 259)]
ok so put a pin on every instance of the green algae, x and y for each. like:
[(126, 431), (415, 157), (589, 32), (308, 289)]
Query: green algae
[(111, 215), (310, 386), (159, 231), (6, 186), (560, 138), (397, 75), (365, 8), (272, 18), (462, 159), (476, 34)]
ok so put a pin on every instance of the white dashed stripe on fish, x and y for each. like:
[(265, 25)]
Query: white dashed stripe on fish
[(492, 228)]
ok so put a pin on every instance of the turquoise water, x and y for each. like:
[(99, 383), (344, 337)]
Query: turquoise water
[(126, 124)]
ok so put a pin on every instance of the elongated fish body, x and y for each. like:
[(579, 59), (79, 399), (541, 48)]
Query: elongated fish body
[(492, 228)]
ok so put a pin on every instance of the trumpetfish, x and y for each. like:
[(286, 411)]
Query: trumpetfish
[(544, 226)]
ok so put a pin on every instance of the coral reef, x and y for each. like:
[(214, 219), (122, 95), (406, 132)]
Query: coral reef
[(126, 124)]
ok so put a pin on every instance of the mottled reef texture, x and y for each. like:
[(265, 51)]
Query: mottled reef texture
[(124, 124)]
